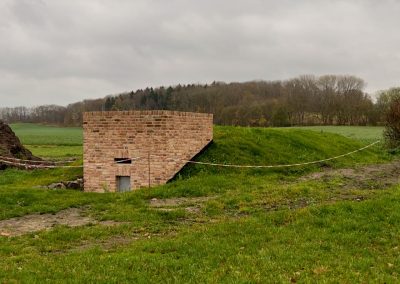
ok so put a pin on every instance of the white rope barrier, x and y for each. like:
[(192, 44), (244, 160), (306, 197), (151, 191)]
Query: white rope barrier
[(282, 166), (26, 165), (194, 162), (35, 166), (37, 161)]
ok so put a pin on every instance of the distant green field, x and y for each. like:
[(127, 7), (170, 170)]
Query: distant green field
[(34, 134), (56, 142), (50, 142), (367, 133)]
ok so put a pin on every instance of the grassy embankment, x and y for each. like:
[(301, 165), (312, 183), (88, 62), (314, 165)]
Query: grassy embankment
[(251, 225)]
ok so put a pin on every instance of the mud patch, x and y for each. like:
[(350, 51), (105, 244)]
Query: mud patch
[(172, 202), (114, 242), (106, 245), (377, 176), (72, 217)]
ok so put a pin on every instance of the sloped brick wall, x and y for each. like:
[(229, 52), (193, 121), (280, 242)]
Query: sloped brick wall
[(158, 142)]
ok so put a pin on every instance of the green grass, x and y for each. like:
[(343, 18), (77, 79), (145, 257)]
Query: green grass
[(366, 133), (56, 152), (265, 146), (34, 134), (255, 225), (50, 142)]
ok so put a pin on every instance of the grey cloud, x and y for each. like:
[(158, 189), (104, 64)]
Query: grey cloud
[(57, 51)]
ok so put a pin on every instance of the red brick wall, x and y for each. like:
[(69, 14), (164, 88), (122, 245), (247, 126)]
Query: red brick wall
[(169, 137)]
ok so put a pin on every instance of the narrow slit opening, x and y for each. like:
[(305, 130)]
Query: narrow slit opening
[(123, 160)]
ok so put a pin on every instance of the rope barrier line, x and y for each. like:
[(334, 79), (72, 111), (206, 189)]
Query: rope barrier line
[(36, 161), (36, 166), (282, 166), (49, 166), (199, 163)]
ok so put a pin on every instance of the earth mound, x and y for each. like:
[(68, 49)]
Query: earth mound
[(11, 147)]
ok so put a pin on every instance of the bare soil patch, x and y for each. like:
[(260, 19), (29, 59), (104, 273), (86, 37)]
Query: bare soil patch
[(169, 202), (114, 242), (191, 205), (72, 217), (377, 176), (106, 245)]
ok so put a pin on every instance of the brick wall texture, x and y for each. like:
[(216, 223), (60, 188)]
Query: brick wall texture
[(170, 137)]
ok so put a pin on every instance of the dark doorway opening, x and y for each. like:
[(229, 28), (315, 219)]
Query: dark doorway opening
[(123, 183)]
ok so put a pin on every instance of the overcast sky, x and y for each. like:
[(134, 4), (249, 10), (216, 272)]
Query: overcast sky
[(62, 51)]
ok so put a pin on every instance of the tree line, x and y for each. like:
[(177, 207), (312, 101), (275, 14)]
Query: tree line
[(305, 100)]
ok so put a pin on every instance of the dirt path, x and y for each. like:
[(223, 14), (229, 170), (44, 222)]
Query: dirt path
[(72, 217), (377, 176)]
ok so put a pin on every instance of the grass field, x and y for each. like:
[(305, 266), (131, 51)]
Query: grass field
[(50, 142), (219, 225), (365, 133)]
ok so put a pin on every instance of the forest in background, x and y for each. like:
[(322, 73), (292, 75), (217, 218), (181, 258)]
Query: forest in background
[(305, 100)]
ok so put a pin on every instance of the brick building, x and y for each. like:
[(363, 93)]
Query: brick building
[(125, 150)]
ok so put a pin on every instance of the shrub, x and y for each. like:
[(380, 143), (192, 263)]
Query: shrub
[(392, 131)]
